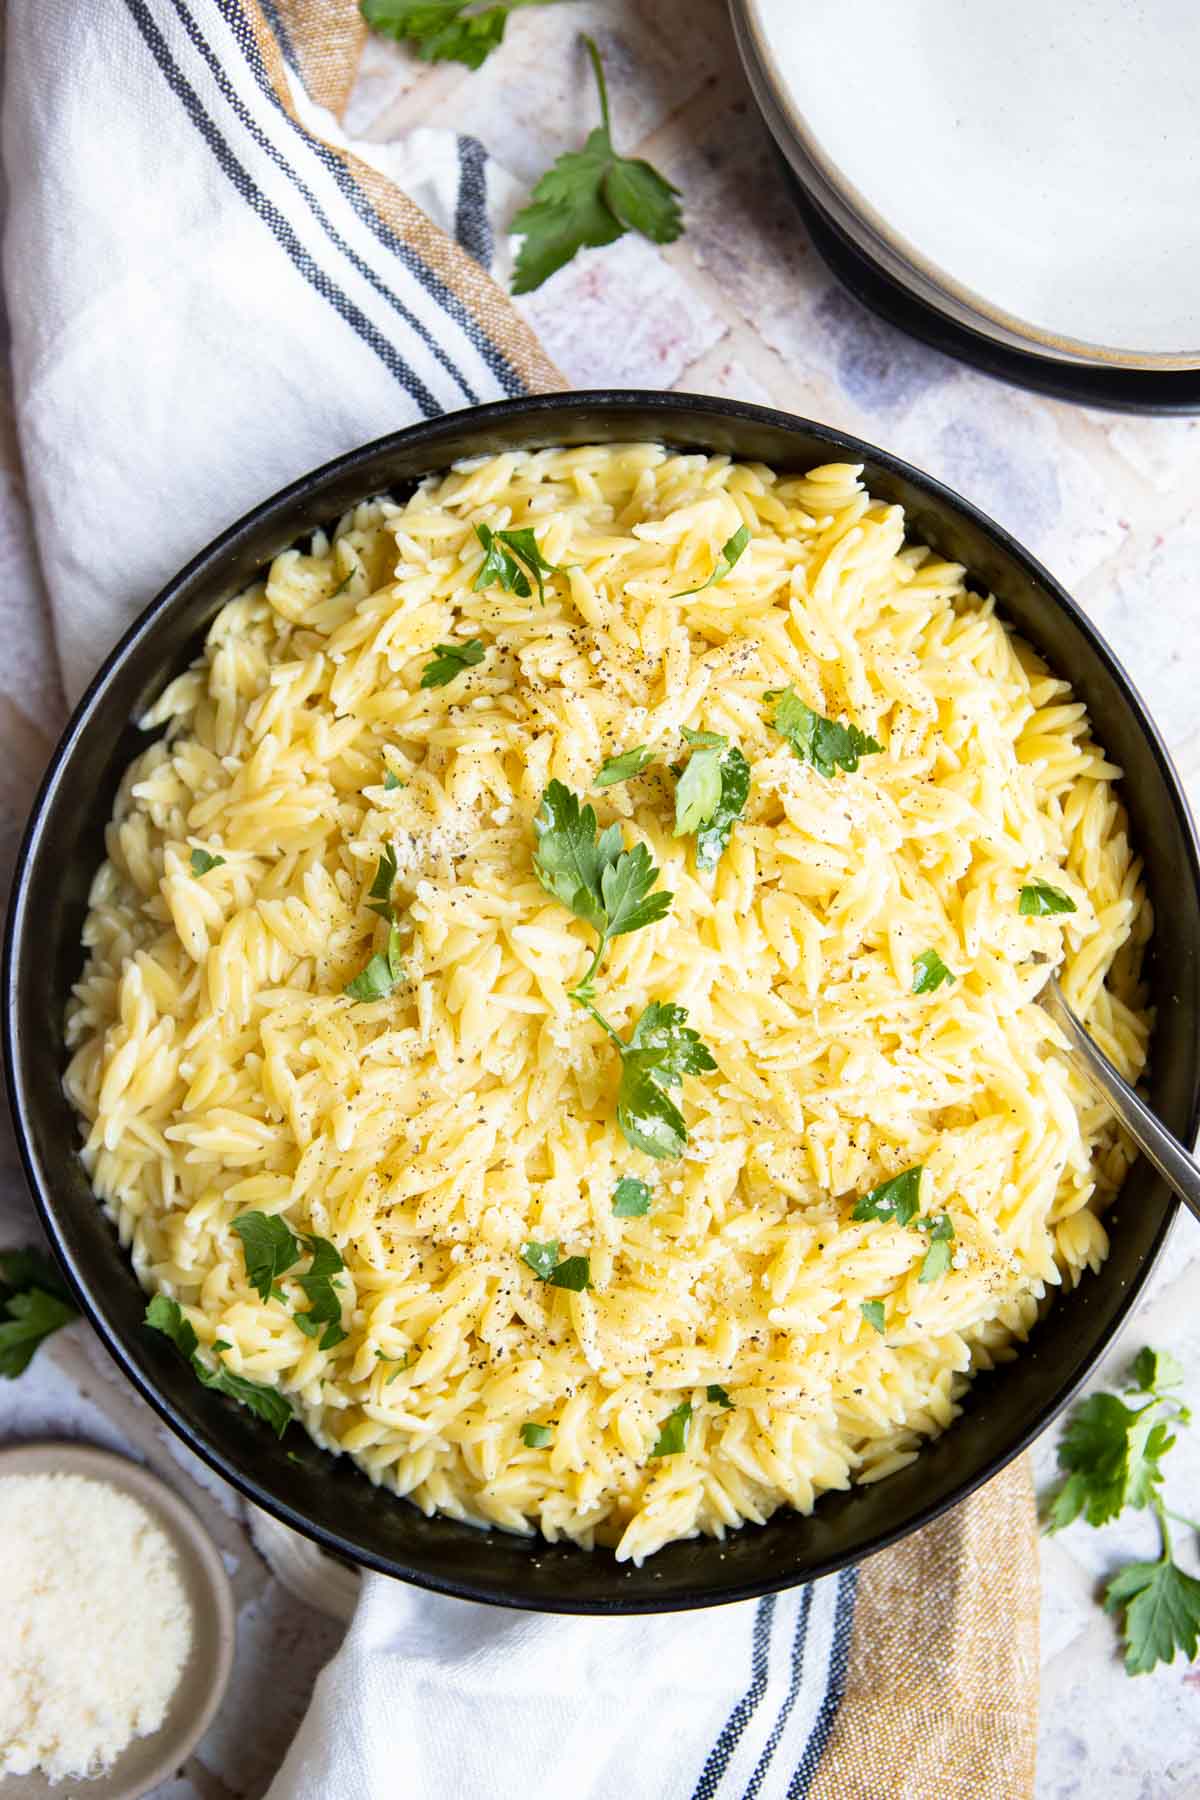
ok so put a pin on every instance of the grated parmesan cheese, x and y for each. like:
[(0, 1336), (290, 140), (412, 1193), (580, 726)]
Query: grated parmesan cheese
[(97, 1626)]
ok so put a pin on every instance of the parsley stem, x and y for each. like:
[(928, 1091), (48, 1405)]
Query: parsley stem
[(584, 988), (587, 1006), (1161, 1514), (1182, 1519), (598, 66)]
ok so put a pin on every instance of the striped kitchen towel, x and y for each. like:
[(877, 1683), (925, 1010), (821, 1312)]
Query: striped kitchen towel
[(211, 291)]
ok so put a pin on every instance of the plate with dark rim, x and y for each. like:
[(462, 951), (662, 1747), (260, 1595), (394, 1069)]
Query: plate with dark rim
[(330, 1499)]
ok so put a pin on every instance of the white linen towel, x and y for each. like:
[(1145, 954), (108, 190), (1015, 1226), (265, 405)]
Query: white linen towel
[(203, 306)]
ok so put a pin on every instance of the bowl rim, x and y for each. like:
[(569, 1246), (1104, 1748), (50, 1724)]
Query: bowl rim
[(544, 409)]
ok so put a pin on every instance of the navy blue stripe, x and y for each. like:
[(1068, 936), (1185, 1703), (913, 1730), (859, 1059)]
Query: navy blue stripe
[(279, 32), (739, 1718), (273, 218), (472, 227), (839, 1660), (789, 1700), (507, 376), (259, 136)]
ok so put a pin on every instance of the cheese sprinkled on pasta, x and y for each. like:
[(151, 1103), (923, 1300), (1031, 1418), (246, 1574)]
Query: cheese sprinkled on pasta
[(431, 1133)]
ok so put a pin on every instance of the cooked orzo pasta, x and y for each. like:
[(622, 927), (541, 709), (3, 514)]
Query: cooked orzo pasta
[(859, 965)]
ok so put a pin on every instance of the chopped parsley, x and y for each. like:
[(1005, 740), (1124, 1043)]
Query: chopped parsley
[(593, 875), (391, 781), (822, 742), (1040, 899), (631, 1198), (625, 766), (589, 198), (34, 1303), (872, 1312), (402, 1362), (536, 1437), (445, 30), (510, 558), (382, 972), (711, 794), (731, 550), (937, 1257), (449, 660), (271, 1248), (379, 894), (1112, 1453), (572, 1272), (929, 973), (203, 861), (716, 1393), (673, 1432), (894, 1202), (166, 1315)]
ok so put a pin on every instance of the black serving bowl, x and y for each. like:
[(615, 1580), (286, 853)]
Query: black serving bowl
[(329, 1499)]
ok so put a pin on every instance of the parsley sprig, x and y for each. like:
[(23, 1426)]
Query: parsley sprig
[(592, 873), (711, 794), (34, 1303), (661, 1050), (822, 742), (445, 30), (731, 550), (510, 559), (1112, 1453), (591, 197), (271, 1248), (166, 1315), (449, 660)]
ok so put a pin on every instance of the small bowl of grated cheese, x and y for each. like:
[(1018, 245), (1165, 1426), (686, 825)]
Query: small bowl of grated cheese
[(119, 1626)]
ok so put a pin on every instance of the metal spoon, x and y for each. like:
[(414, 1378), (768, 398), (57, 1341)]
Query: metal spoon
[(1179, 1170)]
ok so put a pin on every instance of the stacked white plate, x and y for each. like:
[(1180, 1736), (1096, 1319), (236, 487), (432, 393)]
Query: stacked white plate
[(1029, 173)]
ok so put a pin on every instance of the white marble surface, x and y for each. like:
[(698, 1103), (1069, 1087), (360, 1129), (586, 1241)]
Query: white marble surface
[(741, 305)]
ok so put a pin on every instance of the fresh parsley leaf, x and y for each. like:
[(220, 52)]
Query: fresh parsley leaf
[(379, 895), (391, 781), (589, 198), (23, 1269), (698, 793), (673, 1432), (631, 1198), (445, 30), (716, 1393), (822, 742), (711, 794), (536, 1437), (343, 584), (661, 1051), (872, 1312), (625, 766), (450, 660), (1154, 1371), (203, 861), (1040, 899), (510, 558), (895, 1202), (269, 1248), (731, 550), (929, 973), (382, 972), (574, 1272), (166, 1315), (590, 872), (937, 1257), (265, 1402), (402, 1362), (542, 1258), (1111, 1453), (324, 1313), (1162, 1612), (26, 1320)]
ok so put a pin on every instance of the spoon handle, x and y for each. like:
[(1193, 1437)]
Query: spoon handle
[(1177, 1168)]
